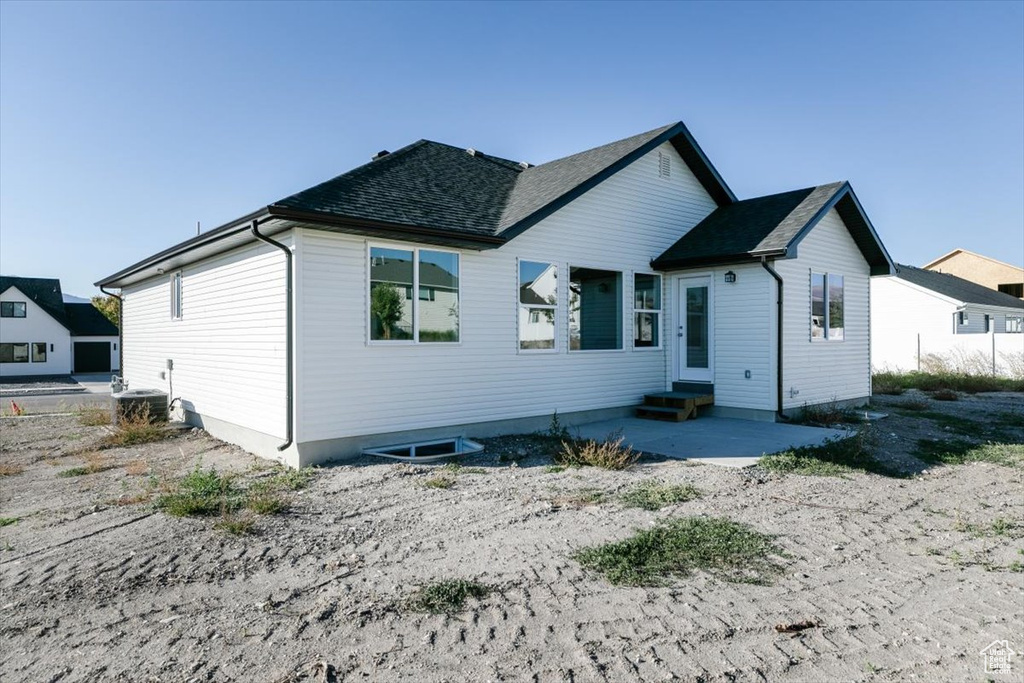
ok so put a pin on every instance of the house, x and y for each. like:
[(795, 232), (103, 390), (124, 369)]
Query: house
[(439, 291), (916, 313), (42, 334), (982, 270)]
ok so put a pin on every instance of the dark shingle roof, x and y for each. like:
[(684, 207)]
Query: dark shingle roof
[(80, 319), (957, 288), (45, 292), (447, 189), (427, 185), (770, 226), (85, 320)]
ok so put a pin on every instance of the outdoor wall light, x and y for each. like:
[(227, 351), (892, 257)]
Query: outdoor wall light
[(730, 276)]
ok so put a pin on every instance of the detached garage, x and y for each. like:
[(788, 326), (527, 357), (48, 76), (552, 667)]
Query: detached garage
[(93, 340)]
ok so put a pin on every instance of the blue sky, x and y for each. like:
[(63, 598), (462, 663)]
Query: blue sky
[(121, 125)]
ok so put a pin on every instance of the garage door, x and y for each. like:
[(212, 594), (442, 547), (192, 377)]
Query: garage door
[(92, 357)]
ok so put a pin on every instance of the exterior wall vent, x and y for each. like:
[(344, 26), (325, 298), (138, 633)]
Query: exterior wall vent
[(379, 155), (664, 165)]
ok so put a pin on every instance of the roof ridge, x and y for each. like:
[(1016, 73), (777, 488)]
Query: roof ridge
[(654, 132)]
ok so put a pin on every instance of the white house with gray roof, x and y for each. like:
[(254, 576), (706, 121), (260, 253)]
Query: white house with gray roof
[(581, 285), (917, 313)]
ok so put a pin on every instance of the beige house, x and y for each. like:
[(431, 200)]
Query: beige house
[(982, 270)]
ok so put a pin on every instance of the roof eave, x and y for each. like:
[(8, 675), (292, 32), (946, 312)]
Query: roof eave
[(202, 240), (723, 260), (362, 226)]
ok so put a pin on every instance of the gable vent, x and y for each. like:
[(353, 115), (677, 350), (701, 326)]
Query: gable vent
[(664, 166)]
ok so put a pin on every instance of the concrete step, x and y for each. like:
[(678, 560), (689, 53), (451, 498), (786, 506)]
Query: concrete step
[(679, 399), (668, 414)]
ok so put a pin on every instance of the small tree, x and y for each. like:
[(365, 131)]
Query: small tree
[(108, 306), (386, 307)]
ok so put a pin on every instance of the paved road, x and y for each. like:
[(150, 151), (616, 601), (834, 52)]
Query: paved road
[(55, 403), (97, 393)]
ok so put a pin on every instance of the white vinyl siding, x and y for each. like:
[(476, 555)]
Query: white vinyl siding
[(36, 327), (228, 349), (350, 388), (816, 371)]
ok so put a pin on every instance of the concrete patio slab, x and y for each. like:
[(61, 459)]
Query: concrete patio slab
[(715, 440)]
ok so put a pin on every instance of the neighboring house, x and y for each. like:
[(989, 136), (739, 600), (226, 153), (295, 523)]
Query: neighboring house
[(982, 270), (917, 312), (41, 334), (579, 285)]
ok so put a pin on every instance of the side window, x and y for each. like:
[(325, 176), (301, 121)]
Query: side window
[(12, 309), (828, 307), (13, 353), (176, 296), (538, 305), (39, 352), (431, 316), (646, 310), (595, 309)]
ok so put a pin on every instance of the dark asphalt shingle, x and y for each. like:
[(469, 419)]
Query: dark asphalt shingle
[(45, 292), (85, 320), (957, 288)]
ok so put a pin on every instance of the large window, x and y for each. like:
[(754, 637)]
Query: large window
[(595, 309), (828, 308), (1014, 324), (395, 315), (12, 309), (646, 310), (39, 352), (176, 296), (538, 302), (13, 353)]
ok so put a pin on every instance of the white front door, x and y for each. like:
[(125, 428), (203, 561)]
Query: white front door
[(695, 361)]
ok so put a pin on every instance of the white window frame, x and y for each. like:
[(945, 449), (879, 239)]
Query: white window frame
[(659, 311), (1018, 323), (622, 307), (555, 347), (825, 296), (176, 281), (415, 341)]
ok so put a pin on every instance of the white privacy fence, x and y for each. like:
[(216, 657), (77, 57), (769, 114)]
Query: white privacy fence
[(998, 354)]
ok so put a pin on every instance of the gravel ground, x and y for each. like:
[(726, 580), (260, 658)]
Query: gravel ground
[(902, 575)]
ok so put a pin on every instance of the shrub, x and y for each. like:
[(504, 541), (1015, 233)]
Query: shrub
[(958, 452), (202, 493), (93, 417), (886, 383), (970, 384), (829, 414), (439, 481), (236, 525), (609, 454), (834, 458), (10, 469), (135, 427), (8, 521), (446, 597), (653, 495), (730, 550)]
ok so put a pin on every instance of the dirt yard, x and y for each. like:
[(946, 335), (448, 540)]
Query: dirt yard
[(904, 578)]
